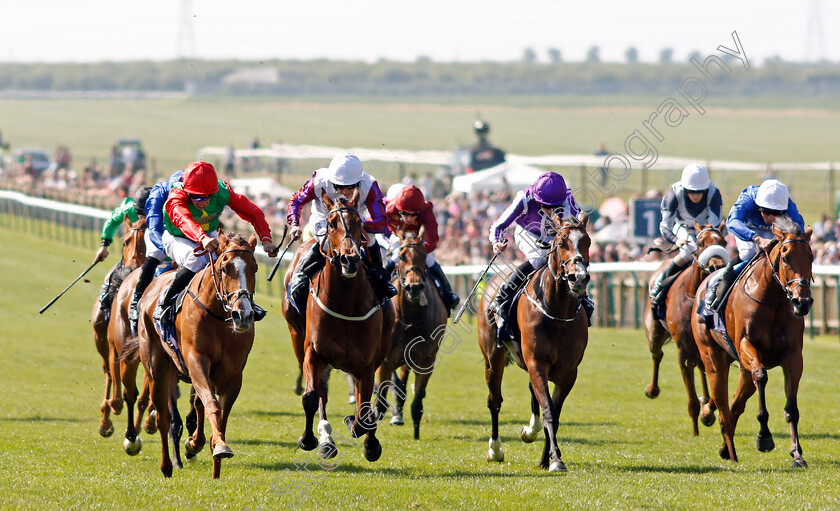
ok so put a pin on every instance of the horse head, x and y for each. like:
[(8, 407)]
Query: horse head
[(134, 244), (711, 246), (344, 233), (412, 264), (235, 274), (791, 258), (570, 252)]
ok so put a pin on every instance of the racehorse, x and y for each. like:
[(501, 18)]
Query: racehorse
[(215, 333), (421, 323), (677, 326), (553, 332), (343, 326), (133, 256), (765, 322)]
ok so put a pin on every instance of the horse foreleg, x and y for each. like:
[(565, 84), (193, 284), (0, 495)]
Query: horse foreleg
[(792, 368), (717, 369), (128, 376), (298, 388), (529, 433), (539, 384), (227, 396), (382, 377), (758, 375), (687, 370), (116, 377), (561, 392), (106, 427), (326, 444), (195, 419), (176, 426), (400, 382), (707, 411), (421, 380), (143, 404), (164, 372), (366, 419), (494, 370), (657, 335), (199, 370), (313, 369)]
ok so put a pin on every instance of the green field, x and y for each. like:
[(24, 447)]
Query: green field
[(623, 450)]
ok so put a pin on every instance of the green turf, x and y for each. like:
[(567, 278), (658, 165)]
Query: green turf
[(623, 450)]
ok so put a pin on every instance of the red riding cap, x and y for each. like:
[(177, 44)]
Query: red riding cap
[(200, 179), (410, 198)]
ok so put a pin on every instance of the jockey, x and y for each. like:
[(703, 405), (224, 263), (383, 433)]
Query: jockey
[(750, 220), (154, 242), (407, 212), (340, 179), (530, 210), (131, 208), (191, 217), (691, 199)]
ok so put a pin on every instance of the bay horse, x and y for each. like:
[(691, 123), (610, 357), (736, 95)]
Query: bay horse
[(765, 322), (677, 325), (344, 326), (133, 256), (421, 323), (215, 333), (553, 332)]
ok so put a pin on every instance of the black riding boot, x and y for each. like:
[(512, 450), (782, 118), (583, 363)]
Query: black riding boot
[(390, 266), (163, 310), (660, 288), (312, 261), (507, 292), (450, 299), (379, 277), (147, 273), (726, 279)]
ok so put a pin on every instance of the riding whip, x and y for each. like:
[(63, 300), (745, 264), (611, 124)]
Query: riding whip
[(47, 306), (279, 260), (477, 282)]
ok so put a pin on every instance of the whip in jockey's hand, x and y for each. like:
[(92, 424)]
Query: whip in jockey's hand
[(294, 233), (101, 254), (500, 246), (270, 248)]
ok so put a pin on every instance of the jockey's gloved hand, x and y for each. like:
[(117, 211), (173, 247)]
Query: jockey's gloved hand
[(500, 246), (209, 244), (101, 254), (294, 233), (270, 248)]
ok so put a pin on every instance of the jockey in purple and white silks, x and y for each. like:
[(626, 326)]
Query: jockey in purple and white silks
[(750, 220), (694, 198), (531, 212)]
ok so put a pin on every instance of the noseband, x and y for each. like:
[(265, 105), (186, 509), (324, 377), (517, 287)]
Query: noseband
[(229, 299), (333, 260)]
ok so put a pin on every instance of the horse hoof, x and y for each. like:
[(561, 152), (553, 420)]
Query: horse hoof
[(557, 466), (221, 452), (348, 421), (298, 390), (190, 449), (373, 450), (528, 435), (132, 448), (417, 432), (495, 453), (707, 419), (652, 392), (150, 426), (798, 463), (351, 400), (764, 444), (327, 451), (117, 408), (307, 443), (724, 453), (106, 431), (397, 420)]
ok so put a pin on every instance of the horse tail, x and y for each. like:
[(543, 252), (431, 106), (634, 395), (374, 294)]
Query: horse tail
[(131, 350)]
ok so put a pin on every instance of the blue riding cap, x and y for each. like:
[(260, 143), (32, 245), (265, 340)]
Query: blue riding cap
[(550, 189)]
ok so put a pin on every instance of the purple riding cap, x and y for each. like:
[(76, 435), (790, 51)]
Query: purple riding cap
[(548, 190)]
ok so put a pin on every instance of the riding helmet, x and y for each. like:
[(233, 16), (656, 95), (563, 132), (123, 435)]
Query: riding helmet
[(695, 178), (481, 127), (200, 179), (410, 199), (550, 189), (345, 169), (140, 198), (772, 195)]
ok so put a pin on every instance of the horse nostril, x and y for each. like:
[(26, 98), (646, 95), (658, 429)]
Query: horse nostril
[(572, 278)]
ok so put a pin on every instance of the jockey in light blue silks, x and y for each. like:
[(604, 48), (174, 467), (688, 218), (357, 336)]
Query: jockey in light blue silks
[(750, 220), (694, 198), (531, 212)]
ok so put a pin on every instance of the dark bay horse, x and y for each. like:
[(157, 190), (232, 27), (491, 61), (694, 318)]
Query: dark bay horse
[(553, 332), (420, 326), (344, 326), (765, 323), (133, 256), (215, 333), (678, 304)]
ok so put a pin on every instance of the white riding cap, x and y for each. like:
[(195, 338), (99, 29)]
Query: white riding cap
[(345, 169), (695, 178), (772, 195)]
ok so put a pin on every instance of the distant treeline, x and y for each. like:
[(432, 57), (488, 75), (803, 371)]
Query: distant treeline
[(414, 79)]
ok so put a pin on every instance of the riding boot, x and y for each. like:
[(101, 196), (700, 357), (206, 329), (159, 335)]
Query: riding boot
[(163, 311), (390, 266), (659, 290), (450, 299), (312, 261), (147, 273), (714, 298), (508, 290), (379, 277)]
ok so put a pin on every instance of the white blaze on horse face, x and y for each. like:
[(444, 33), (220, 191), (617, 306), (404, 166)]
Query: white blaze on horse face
[(239, 264), (580, 266)]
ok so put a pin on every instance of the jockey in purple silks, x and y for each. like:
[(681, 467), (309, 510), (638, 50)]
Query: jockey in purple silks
[(531, 212)]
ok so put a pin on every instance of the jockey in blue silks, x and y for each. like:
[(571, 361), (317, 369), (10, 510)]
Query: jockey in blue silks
[(154, 241), (531, 212), (750, 220)]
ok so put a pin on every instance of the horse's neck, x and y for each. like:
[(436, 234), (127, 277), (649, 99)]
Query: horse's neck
[(697, 275), (762, 272), (344, 291), (204, 288), (556, 293)]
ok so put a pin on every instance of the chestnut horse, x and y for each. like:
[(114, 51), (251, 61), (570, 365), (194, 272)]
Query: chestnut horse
[(344, 326), (421, 323), (678, 306), (215, 333), (133, 256), (553, 332), (765, 323)]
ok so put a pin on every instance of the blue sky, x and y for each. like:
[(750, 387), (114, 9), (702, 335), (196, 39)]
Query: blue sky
[(453, 30)]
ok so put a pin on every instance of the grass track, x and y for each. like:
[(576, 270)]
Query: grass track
[(623, 450)]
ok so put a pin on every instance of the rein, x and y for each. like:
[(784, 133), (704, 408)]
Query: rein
[(225, 300), (421, 272), (775, 272), (334, 259), (559, 275)]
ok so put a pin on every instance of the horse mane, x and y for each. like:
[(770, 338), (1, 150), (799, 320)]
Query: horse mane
[(236, 238), (785, 223)]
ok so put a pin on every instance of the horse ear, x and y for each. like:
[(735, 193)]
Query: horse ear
[(127, 222), (808, 232), (354, 200), (222, 238), (327, 201), (583, 217), (697, 227), (780, 235), (555, 218), (253, 240), (722, 227), (421, 234)]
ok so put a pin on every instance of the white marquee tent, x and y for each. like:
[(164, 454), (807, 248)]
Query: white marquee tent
[(517, 175)]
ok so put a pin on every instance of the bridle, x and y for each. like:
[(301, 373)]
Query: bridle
[(413, 268), (707, 269), (774, 268), (563, 271), (334, 260), (229, 299)]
